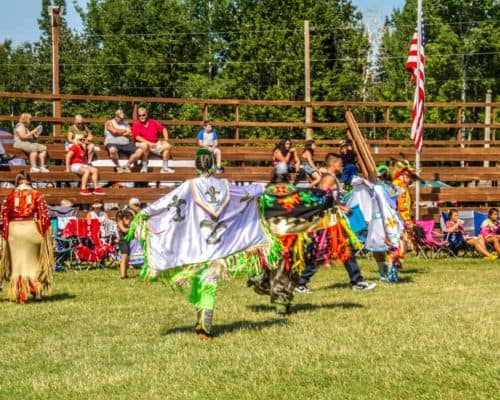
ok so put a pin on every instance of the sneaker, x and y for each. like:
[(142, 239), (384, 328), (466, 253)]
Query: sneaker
[(219, 170), (44, 169), (202, 334), (363, 286), (302, 289), (34, 169), (98, 191), (167, 170), (123, 170), (282, 310), (6, 157), (144, 169), (491, 257), (85, 192)]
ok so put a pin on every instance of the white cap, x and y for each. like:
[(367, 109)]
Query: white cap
[(134, 200)]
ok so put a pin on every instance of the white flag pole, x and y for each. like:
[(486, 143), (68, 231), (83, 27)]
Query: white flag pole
[(419, 66)]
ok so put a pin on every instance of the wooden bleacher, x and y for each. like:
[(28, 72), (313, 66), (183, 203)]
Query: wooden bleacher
[(462, 164)]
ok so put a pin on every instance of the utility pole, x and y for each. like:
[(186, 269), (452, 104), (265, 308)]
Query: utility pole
[(307, 74), (54, 13)]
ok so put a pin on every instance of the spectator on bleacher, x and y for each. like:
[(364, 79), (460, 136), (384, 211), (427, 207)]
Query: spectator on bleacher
[(25, 140), (123, 221), (4, 156), (147, 132), (284, 151), (308, 167), (134, 205), (76, 162), (490, 229), (348, 157), (457, 236), (118, 138), (81, 127), (208, 139), (97, 212)]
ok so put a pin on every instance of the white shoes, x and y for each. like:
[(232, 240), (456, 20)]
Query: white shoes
[(166, 170)]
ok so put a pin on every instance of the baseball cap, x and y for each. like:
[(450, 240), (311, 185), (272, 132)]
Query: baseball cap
[(120, 113)]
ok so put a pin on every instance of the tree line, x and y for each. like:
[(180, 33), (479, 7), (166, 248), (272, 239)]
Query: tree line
[(254, 49)]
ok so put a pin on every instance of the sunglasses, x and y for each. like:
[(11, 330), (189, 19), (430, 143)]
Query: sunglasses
[(143, 115)]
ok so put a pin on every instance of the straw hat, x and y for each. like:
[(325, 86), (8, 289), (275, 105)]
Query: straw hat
[(403, 167), (66, 203), (96, 204)]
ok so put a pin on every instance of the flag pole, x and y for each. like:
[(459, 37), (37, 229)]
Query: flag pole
[(419, 66)]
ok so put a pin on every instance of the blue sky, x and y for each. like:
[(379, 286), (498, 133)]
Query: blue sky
[(18, 19)]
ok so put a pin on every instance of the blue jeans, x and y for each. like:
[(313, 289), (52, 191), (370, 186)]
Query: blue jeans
[(351, 267), (348, 172)]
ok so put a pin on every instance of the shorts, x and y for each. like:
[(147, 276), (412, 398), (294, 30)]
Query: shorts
[(29, 147), (308, 169), (75, 167), (123, 245), (348, 173), (123, 148), (159, 147), (215, 151)]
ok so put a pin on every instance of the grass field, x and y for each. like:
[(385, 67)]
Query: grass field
[(433, 336)]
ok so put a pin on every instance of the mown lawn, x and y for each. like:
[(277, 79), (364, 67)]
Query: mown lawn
[(433, 336)]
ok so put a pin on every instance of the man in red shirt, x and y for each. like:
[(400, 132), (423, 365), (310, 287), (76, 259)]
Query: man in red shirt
[(147, 132)]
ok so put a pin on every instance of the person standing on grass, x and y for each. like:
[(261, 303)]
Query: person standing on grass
[(490, 229), (303, 221), (214, 232), (28, 258), (208, 139), (123, 220), (308, 166), (118, 138), (76, 162), (329, 181), (147, 132), (25, 140)]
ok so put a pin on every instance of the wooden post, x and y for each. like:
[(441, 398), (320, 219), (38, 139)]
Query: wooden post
[(307, 75), (205, 112), (54, 12), (387, 113), (134, 110), (237, 121), (459, 121)]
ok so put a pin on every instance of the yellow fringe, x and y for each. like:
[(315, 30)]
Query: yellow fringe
[(5, 265), (19, 286)]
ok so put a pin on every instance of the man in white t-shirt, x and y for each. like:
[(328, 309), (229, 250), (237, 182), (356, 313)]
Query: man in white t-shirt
[(207, 138)]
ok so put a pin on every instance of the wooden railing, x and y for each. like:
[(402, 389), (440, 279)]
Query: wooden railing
[(383, 110)]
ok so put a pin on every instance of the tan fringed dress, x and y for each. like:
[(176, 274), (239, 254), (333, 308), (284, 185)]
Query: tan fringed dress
[(27, 260)]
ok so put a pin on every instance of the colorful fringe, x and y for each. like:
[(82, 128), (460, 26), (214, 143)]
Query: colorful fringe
[(250, 261)]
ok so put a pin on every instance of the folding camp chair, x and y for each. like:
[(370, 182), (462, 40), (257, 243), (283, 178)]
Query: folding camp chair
[(425, 240), (87, 246), (63, 247)]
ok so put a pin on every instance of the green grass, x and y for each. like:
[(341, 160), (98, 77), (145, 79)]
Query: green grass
[(433, 336)]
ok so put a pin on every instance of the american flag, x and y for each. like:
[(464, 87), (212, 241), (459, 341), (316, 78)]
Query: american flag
[(412, 65)]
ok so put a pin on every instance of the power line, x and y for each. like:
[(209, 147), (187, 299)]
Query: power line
[(229, 62)]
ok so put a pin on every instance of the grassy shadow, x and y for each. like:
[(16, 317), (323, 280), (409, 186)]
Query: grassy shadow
[(57, 297), (230, 327), (301, 307), (338, 285), (411, 271)]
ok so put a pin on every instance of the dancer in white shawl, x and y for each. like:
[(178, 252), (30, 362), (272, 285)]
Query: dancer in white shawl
[(386, 233), (204, 230)]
